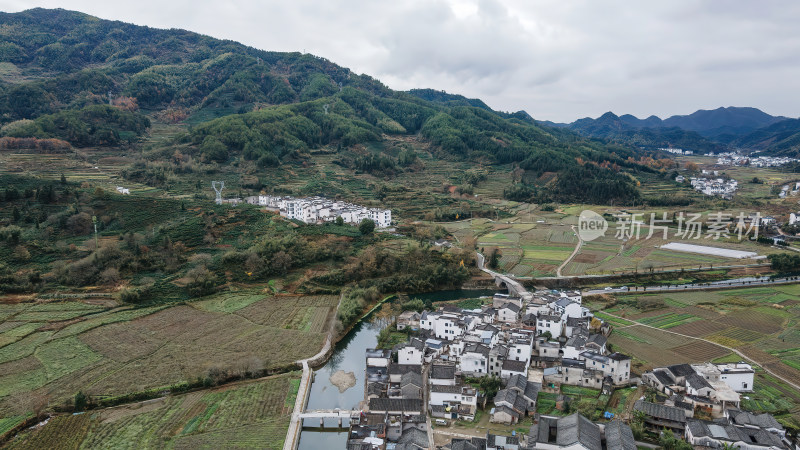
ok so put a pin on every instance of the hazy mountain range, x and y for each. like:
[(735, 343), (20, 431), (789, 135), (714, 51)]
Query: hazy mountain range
[(715, 130)]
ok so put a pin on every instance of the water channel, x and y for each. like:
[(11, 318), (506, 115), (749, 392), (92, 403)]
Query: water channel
[(348, 355)]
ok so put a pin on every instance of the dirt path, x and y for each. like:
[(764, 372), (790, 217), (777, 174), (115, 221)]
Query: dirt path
[(574, 252), (742, 355)]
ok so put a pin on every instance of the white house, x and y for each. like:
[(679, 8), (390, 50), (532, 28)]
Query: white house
[(568, 308), (508, 313), (442, 374), (411, 354), (457, 401), (474, 360), (447, 326), (616, 365), (549, 323), (512, 367), (739, 376)]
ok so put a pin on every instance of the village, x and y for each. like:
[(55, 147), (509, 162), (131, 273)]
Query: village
[(547, 344), (736, 159), (317, 210), (718, 186)]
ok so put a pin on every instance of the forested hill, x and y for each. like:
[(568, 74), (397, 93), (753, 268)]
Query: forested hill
[(781, 138), (87, 81)]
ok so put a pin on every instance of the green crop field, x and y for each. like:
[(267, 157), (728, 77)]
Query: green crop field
[(244, 415)]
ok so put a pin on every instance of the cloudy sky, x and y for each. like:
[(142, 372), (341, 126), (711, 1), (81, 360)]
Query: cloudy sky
[(557, 59)]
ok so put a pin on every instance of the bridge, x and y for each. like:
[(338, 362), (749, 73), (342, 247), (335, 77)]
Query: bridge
[(343, 418), (515, 288)]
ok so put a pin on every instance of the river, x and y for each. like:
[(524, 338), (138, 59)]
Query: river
[(348, 355)]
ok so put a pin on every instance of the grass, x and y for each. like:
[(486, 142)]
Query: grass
[(228, 302), (294, 389), (8, 423), (471, 303), (579, 391)]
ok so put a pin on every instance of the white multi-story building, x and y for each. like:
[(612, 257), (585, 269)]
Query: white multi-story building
[(739, 376), (320, 209)]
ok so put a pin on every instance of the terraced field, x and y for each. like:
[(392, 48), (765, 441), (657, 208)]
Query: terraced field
[(59, 348), (244, 415)]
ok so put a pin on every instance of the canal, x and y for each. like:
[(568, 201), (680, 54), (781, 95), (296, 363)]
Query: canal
[(348, 356)]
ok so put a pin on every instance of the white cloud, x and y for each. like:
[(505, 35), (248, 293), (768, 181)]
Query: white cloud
[(558, 60)]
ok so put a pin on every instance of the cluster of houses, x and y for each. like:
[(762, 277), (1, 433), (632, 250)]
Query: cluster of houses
[(713, 390), (792, 190), (436, 374), (712, 186), (573, 432), (315, 210), (677, 151), (735, 159), (504, 339)]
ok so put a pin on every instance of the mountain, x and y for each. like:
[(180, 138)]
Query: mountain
[(781, 138), (86, 81), (628, 130), (723, 124), (703, 130)]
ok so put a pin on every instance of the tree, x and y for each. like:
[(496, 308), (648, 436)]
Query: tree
[(668, 441), (490, 386), (413, 305), (339, 220), (81, 401), (202, 281), (63, 179), (367, 226), (494, 258), (15, 214), (281, 262)]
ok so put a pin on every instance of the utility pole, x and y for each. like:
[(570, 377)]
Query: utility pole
[(94, 221)]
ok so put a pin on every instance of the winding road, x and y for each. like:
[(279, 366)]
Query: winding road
[(574, 252), (512, 284)]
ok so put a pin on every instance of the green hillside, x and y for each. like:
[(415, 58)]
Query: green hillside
[(267, 107)]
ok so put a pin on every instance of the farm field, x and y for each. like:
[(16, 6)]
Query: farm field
[(243, 415), (533, 243), (57, 349), (761, 322)]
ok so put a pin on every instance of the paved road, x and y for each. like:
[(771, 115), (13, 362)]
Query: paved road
[(742, 355), (726, 284), (513, 285), (684, 270)]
